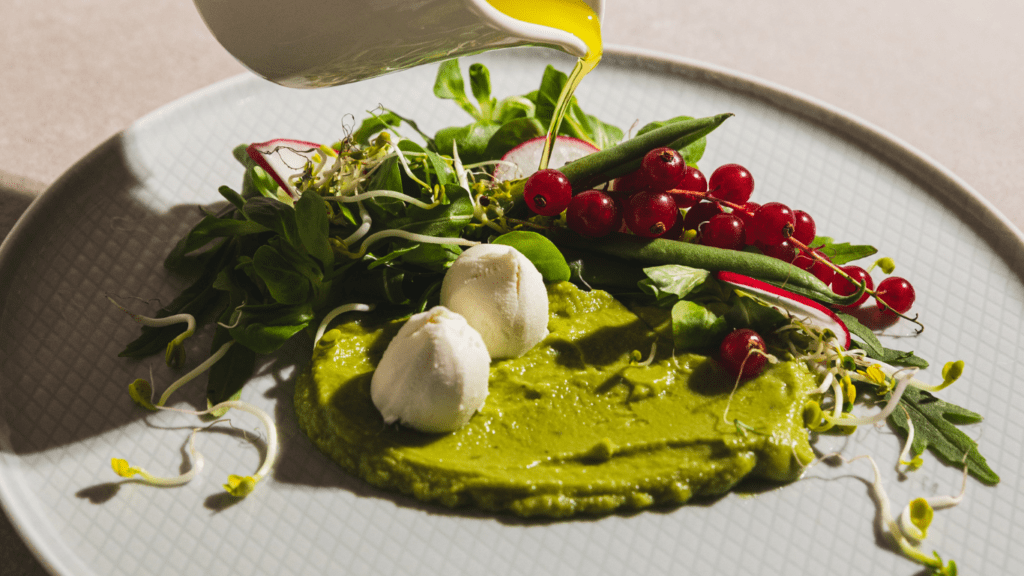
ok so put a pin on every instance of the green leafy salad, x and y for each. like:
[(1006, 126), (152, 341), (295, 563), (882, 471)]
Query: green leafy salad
[(374, 221)]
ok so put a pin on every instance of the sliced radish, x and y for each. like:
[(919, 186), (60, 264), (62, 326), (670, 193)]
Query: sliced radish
[(283, 158), (792, 304), (523, 160)]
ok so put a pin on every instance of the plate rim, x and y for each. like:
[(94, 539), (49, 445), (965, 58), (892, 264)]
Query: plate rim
[(939, 180)]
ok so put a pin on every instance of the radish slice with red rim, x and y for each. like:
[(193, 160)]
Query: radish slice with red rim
[(792, 304), (283, 158), (523, 160)]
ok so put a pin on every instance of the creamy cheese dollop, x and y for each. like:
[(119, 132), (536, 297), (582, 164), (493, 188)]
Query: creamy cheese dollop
[(433, 375), (501, 294)]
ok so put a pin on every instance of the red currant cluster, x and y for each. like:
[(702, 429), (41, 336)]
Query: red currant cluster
[(665, 198)]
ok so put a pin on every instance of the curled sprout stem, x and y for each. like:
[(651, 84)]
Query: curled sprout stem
[(894, 400), (650, 357), (364, 227), (175, 355), (912, 462), (209, 362), (238, 486), (461, 173), (909, 549), (385, 194), (243, 485), (393, 233), (354, 307), (125, 470), (408, 171)]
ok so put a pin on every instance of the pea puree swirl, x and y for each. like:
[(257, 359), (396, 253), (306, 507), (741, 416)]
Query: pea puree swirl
[(575, 426)]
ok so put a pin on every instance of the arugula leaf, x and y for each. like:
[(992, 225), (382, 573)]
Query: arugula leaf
[(870, 344), (935, 428), (843, 253), (671, 282)]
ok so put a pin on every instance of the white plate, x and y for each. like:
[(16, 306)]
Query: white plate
[(106, 224)]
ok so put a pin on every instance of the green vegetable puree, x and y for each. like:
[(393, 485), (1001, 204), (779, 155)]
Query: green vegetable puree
[(573, 427)]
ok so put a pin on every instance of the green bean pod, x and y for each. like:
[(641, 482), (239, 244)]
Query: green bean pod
[(657, 251), (623, 158)]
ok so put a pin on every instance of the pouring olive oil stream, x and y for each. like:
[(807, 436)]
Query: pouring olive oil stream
[(574, 17)]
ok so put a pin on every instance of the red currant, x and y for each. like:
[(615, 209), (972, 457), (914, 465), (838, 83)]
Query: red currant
[(897, 293), (593, 213), (784, 251), (731, 182), (723, 231), (844, 287), (736, 353), (774, 222), (547, 192), (691, 181), (700, 214), (650, 214), (628, 183), (662, 168), (747, 215), (805, 228), (814, 265)]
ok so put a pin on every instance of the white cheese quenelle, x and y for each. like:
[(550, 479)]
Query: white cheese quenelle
[(502, 295), (433, 375)]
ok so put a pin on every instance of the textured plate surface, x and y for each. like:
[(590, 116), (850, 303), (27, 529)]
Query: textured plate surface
[(105, 226)]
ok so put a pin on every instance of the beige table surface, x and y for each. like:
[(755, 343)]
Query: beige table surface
[(943, 75)]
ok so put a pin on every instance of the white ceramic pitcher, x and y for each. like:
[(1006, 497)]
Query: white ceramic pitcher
[(314, 43)]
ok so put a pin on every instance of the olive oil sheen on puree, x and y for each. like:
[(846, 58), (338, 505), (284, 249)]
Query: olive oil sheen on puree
[(575, 426)]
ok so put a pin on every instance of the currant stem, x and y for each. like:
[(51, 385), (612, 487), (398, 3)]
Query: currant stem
[(813, 254)]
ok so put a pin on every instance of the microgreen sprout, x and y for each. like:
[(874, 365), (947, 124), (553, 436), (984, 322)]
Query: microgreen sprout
[(385, 194), (238, 486), (919, 512), (175, 355), (125, 470), (912, 462), (209, 362), (354, 307), (637, 356), (396, 233), (887, 265)]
